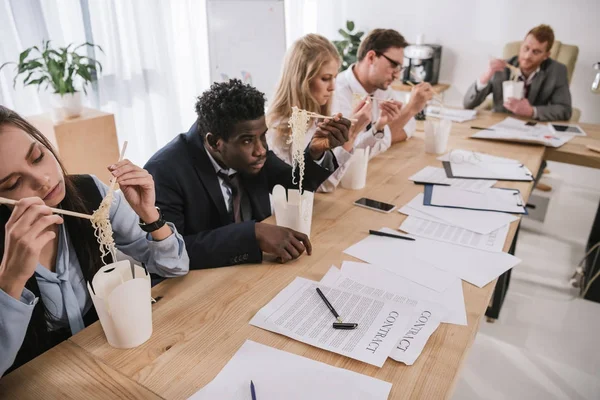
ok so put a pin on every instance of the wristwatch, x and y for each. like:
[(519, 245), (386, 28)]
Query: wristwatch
[(379, 134), (154, 226)]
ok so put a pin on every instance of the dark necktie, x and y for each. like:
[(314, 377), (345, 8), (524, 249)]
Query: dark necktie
[(233, 181), (525, 86)]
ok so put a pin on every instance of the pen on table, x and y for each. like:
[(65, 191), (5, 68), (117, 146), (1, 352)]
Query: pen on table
[(252, 390), (328, 304), (340, 324), (377, 233), (482, 129)]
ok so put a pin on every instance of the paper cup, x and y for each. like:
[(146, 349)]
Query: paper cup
[(512, 89), (436, 135), (355, 176), (292, 210), (123, 304)]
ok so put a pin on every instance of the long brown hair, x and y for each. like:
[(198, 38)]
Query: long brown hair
[(82, 238), (302, 63)]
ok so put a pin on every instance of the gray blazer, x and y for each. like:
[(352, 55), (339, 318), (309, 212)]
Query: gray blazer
[(549, 92)]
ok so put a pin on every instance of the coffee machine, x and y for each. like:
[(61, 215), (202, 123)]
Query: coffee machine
[(422, 62)]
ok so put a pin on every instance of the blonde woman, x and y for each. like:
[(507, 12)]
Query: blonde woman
[(307, 81)]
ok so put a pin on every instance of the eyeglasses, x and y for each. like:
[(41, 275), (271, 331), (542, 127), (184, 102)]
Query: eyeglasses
[(464, 157), (395, 64)]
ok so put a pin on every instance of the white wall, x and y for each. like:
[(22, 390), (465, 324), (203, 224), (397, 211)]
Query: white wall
[(470, 30)]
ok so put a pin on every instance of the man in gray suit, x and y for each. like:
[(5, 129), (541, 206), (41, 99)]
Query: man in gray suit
[(546, 94)]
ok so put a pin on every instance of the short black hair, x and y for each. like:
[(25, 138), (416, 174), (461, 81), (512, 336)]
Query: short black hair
[(380, 40), (227, 103)]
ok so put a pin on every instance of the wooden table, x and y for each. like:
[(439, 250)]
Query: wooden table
[(203, 317)]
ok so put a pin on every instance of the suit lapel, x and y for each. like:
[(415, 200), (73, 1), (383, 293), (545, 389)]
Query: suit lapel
[(206, 172)]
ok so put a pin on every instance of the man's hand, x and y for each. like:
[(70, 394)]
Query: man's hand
[(389, 111), (419, 96), (331, 133), (519, 107), (284, 243), (496, 65)]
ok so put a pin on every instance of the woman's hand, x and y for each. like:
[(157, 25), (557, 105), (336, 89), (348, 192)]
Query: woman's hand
[(28, 231), (137, 186)]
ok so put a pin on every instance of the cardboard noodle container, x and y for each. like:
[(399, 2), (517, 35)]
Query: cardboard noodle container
[(292, 210), (123, 304), (355, 176), (436, 135)]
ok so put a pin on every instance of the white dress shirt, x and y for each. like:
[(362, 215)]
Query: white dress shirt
[(346, 85)]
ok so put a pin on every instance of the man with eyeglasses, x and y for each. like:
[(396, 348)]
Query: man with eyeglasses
[(380, 57)]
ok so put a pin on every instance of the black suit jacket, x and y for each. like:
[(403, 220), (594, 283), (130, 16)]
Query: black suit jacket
[(189, 195)]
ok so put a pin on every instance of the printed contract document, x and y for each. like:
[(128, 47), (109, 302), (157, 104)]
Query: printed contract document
[(299, 313)]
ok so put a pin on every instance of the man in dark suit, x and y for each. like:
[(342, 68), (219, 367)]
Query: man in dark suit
[(213, 182), (546, 94)]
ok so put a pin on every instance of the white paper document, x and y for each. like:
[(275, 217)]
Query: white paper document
[(481, 170), (418, 271), (492, 199), (425, 318), (460, 155), (452, 299), (299, 313), (493, 241), (452, 114), (472, 265), (277, 375), (438, 176), (483, 222), (514, 130)]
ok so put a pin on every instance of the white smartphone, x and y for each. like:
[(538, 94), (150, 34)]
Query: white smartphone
[(374, 205)]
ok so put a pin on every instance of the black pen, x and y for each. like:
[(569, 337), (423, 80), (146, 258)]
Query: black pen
[(377, 233), (328, 304), (482, 129), (252, 391), (339, 324)]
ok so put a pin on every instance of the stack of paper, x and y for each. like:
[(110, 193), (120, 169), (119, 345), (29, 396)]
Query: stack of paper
[(463, 164), (381, 283), (299, 313), (452, 114), (438, 176), (483, 222), (514, 130), (492, 199), (388, 277), (460, 155), (280, 375), (476, 266), (437, 230)]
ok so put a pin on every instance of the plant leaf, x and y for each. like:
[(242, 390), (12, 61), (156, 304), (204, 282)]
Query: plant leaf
[(7, 63), (350, 25), (24, 55), (345, 34)]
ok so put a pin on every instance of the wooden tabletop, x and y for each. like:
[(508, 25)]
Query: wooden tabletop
[(202, 318)]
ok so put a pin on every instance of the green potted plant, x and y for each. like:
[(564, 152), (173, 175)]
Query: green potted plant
[(63, 69), (348, 47)]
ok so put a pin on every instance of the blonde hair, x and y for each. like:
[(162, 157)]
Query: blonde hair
[(301, 65)]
